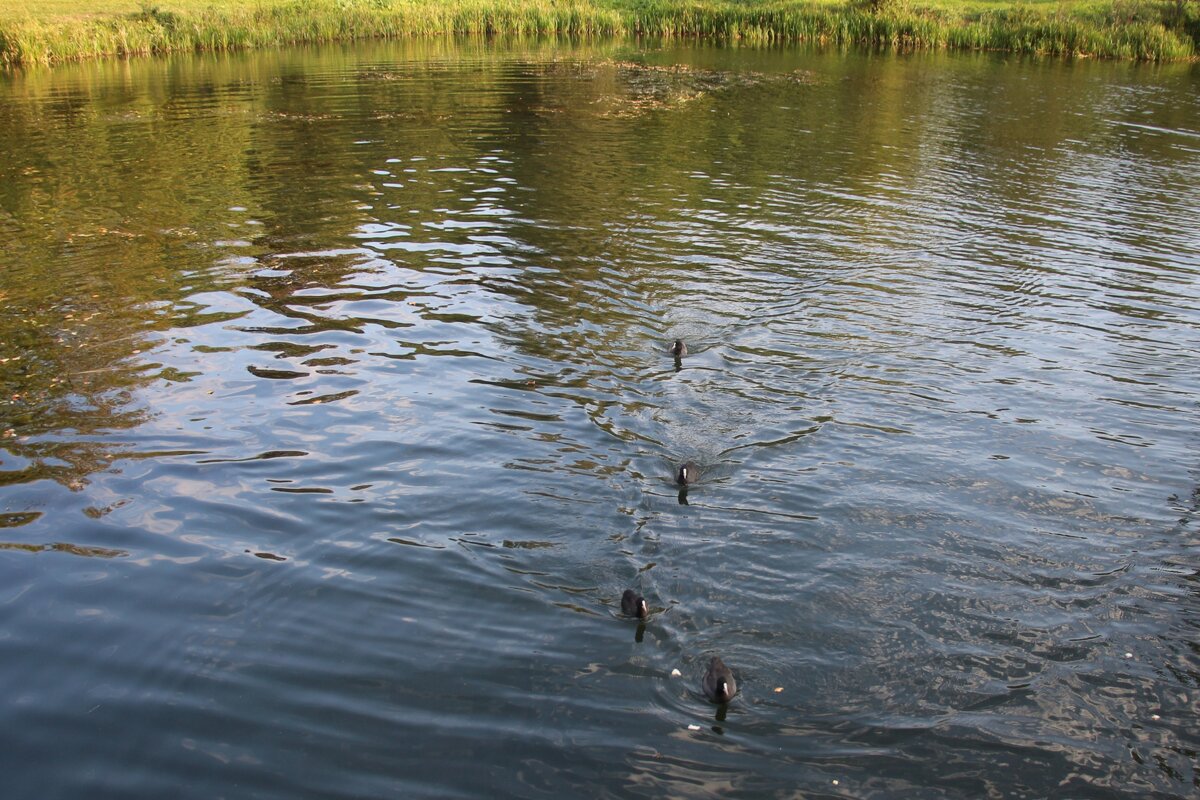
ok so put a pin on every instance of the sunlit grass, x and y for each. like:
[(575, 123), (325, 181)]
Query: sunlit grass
[(44, 31), (50, 9)]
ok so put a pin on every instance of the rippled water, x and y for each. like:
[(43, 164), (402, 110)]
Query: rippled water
[(338, 413)]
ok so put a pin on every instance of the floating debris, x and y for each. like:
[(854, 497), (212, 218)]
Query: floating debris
[(676, 673), (778, 689), (693, 727), (629, 88)]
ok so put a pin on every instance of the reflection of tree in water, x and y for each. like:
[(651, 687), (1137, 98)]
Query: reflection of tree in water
[(618, 162), (63, 547), (102, 243), (604, 216), (66, 381), (602, 152)]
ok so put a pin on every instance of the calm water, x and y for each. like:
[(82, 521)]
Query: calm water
[(337, 414)]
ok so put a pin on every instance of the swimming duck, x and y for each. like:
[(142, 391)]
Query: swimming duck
[(634, 604), (688, 473), (679, 349), (719, 685)]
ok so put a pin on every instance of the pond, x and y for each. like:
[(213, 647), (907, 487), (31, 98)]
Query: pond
[(338, 412)]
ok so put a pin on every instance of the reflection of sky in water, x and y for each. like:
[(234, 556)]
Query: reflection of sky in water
[(363, 424)]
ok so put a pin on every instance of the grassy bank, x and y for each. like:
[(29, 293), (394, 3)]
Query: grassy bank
[(47, 31)]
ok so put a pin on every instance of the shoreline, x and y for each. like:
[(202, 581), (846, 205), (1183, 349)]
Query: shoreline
[(1162, 30)]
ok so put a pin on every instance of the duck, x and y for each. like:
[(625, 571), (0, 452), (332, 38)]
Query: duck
[(718, 684), (688, 473), (634, 605), (679, 349)]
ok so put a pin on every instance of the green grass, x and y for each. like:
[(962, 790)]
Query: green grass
[(48, 31)]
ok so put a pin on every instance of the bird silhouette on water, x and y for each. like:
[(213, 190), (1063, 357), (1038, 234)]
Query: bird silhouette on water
[(679, 349), (719, 685), (688, 473), (634, 605)]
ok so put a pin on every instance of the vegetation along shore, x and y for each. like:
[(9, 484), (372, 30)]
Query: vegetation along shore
[(48, 31)]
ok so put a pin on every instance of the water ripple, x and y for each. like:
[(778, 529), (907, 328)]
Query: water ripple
[(345, 375)]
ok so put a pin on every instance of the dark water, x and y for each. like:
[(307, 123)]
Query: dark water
[(337, 414)]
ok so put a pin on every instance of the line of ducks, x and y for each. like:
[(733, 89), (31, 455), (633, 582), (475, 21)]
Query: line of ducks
[(718, 682)]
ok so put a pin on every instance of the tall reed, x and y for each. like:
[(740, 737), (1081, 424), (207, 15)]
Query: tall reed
[(1151, 29)]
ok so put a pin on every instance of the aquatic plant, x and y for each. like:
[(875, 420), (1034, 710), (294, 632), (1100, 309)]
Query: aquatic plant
[(1142, 29)]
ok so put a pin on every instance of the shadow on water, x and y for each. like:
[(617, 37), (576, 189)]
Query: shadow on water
[(347, 372)]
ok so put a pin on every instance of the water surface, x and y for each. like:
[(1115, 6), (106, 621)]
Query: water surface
[(337, 413)]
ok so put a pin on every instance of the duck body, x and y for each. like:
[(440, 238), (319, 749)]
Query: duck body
[(718, 683), (634, 605), (688, 473), (679, 349)]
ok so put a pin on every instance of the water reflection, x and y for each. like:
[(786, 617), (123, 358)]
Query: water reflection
[(68, 369), (353, 362), (64, 547)]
